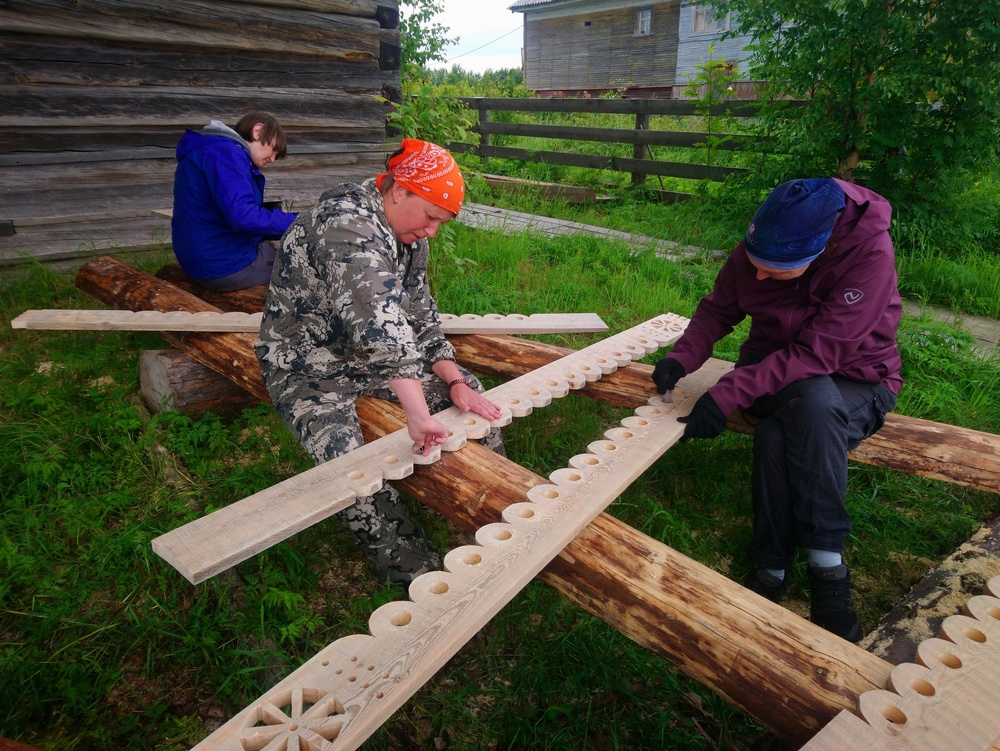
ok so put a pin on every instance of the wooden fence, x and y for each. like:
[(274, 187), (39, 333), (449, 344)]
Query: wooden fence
[(641, 163)]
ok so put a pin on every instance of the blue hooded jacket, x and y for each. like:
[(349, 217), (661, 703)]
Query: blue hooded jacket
[(219, 218)]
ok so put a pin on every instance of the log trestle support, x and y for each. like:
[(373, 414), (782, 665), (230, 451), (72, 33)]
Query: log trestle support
[(743, 642)]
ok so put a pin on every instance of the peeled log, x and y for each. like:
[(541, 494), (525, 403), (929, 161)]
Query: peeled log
[(126, 288), (790, 675), (906, 444), (172, 381)]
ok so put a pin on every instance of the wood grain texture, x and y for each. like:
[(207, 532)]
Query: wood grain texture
[(102, 90), (620, 164), (171, 381), (947, 700), (791, 675), (199, 24), (357, 682), (906, 444), (599, 50), (218, 541), (181, 320), (788, 673)]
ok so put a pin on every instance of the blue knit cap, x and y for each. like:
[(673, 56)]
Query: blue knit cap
[(792, 226)]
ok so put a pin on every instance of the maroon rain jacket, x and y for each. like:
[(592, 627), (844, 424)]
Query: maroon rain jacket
[(839, 318)]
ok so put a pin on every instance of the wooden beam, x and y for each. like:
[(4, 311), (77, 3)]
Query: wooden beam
[(680, 139), (364, 679), (170, 381), (619, 164), (550, 191), (234, 533), (948, 699), (206, 321), (203, 25), (789, 674), (674, 107), (906, 444)]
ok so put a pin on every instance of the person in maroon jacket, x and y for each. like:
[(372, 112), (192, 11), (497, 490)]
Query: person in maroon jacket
[(817, 374)]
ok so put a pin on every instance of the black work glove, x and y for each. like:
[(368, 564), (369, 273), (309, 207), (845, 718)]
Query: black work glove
[(705, 421), (666, 374)]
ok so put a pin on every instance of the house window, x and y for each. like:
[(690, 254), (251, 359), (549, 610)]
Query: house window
[(643, 22), (705, 19)]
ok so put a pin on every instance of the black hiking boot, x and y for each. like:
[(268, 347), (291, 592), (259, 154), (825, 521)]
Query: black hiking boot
[(830, 603), (765, 584)]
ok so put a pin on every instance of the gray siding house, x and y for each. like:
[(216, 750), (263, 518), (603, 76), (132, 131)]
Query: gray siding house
[(643, 48), (699, 40)]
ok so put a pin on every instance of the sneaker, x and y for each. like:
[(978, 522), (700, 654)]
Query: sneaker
[(830, 603), (765, 584)]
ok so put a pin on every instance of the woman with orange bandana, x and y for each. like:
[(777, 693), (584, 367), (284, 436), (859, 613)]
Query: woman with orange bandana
[(349, 313)]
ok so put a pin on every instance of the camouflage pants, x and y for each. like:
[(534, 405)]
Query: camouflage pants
[(322, 416)]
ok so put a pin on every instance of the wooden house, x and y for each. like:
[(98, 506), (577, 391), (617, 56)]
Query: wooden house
[(643, 48), (700, 40), (97, 93)]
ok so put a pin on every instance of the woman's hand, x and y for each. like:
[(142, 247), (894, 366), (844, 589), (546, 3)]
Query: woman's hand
[(426, 433), (468, 399)]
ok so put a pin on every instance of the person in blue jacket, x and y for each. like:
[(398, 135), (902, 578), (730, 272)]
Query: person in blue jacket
[(817, 374), (220, 228)]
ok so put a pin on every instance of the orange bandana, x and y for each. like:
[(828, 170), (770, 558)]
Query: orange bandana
[(427, 170)]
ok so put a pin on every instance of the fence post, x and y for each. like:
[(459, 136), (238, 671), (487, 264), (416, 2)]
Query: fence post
[(484, 136), (639, 149)]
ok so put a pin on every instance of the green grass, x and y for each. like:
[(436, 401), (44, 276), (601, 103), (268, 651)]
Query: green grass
[(102, 645)]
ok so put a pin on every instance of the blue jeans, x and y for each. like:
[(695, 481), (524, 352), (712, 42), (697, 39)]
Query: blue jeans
[(799, 478)]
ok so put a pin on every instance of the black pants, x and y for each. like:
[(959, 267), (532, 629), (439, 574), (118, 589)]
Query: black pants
[(799, 478)]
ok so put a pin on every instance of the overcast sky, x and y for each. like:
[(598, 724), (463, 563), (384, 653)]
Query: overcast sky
[(490, 36)]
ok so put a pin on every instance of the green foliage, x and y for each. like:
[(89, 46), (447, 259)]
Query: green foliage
[(105, 646), (423, 39), (895, 93), (712, 86), (424, 113), (506, 82), (947, 379)]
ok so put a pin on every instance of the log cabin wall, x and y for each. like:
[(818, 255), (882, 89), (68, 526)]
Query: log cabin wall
[(94, 95), (599, 50)]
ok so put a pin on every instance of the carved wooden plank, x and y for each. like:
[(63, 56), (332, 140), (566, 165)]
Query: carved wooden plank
[(141, 320), (340, 696), (236, 532), (515, 323), (949, 699), (182, 320)]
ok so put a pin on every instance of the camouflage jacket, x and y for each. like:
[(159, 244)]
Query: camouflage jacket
[(346, 299)]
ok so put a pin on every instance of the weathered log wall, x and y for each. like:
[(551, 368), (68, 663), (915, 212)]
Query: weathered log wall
[(95, 94)]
